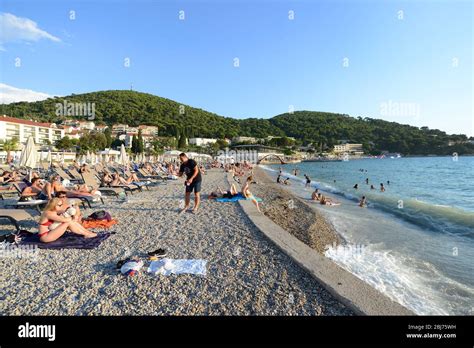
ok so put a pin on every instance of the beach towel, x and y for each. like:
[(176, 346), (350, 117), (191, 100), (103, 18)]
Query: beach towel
[(66, 241), (89, 224), (236, 198), (178, 266)]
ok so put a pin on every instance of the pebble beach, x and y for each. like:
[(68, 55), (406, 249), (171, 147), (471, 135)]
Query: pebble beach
[(246, 273)]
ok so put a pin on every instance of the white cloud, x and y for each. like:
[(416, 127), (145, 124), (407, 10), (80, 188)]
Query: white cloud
[(10, 94), (17, 29)]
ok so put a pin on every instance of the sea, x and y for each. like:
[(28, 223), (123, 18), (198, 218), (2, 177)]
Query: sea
[(414, 242)]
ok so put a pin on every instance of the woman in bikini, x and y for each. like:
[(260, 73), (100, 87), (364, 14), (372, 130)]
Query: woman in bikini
[(246, 192), (54, 185), (52, 225), (224, 194)]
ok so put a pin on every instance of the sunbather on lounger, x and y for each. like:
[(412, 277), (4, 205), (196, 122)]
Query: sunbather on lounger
[(35, 190), (52, 225), (54, 185)]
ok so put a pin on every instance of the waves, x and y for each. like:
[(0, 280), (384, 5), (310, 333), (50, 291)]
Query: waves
[(434, 217)]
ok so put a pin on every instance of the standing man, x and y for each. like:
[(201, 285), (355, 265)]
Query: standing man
[(193, 181)]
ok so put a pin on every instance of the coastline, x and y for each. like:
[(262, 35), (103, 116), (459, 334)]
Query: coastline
[(293, 214), (246, 273), (349, 289)]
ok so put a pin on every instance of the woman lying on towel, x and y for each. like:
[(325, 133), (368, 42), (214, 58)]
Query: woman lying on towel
[(224, 194), (52, 225)]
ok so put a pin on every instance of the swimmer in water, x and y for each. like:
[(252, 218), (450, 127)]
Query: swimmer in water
[(314, 195), (287, 181), (356, 186), (372, 187), (363, 202), (382, 188), (367, 181)]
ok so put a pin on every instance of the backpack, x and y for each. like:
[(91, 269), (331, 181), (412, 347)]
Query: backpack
[(100, 215)]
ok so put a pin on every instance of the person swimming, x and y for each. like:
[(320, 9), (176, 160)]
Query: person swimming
[(287, 181), (382, 188), (367, 181), (356, 186), (363, 202), (372, 187)]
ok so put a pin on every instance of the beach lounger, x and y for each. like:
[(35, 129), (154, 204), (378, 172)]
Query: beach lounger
[(64, 175), (14, 216), (90, 181), (12, 191), (127, 188), (75, 174)]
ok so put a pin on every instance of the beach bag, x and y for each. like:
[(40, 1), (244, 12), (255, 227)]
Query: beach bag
[(100, 215)]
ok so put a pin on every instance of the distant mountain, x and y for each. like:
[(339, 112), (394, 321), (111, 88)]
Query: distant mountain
[(321, 128)]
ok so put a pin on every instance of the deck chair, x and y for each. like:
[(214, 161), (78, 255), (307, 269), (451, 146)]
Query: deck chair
[(12, 191), (91, 181), (64, 175), (75, 174), (14, 216), (127, 188)]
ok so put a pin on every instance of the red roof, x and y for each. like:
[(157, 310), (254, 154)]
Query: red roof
[(23, 121)]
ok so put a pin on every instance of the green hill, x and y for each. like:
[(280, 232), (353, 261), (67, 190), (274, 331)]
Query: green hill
[(324, 129)]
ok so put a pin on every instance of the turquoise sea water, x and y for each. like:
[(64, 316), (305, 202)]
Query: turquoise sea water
[(415, 241)]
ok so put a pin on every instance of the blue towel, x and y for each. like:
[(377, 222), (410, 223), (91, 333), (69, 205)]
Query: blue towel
[(66, 241), (236, 198)]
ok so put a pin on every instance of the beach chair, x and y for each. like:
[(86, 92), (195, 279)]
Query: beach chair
[(91, 181), (15, 216), (64, 175), (75, 174), (11, 191), (127, 188)]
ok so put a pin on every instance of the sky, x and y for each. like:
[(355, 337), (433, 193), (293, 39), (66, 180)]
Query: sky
[(405, 61)]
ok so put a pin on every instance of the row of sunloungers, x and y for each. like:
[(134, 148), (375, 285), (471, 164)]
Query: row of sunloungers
[(91, 178)]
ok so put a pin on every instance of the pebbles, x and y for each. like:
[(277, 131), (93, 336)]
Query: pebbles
[(246, 275)]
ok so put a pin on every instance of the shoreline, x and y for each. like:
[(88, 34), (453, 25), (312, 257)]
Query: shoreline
[(293, 214), (349, 289), (246, 273)]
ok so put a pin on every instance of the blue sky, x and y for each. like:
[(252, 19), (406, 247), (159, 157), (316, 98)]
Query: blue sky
[(362, 58)]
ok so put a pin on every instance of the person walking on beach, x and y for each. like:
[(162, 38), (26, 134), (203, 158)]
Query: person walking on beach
[(193, 181), (308, 181)]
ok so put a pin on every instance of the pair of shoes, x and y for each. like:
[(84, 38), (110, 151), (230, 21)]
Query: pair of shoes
[(158, 253)]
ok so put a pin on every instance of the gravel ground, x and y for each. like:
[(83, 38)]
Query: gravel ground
[(246, 273)]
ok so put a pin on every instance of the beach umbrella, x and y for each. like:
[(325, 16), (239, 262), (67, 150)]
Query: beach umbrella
[(49, 157), (88, 157), (93, 158), (123, 158), (29, 155)]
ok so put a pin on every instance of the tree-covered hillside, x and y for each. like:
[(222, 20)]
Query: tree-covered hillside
[(176, 119)]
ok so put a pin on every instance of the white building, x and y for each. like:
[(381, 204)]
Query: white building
[(21, 129), (201, 141), (244, 139), (356, 149)]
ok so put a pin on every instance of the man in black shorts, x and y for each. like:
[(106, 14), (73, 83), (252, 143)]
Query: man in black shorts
[(193, 181)]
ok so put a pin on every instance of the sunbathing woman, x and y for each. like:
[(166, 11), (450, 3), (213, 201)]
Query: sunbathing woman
[(246, 192), (35, 190), (54, 185), (224, 194), (52, 225)]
